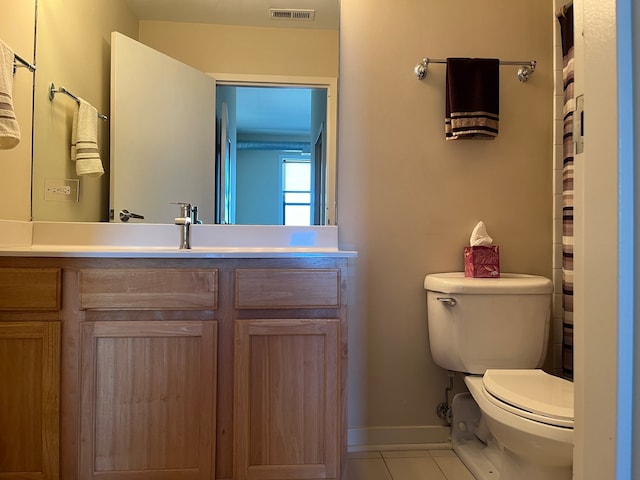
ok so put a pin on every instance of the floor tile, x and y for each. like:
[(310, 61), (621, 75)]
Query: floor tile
[(452, 467), (364, 455), (405, 453), (442, 453), (414, 468), (367, 469)]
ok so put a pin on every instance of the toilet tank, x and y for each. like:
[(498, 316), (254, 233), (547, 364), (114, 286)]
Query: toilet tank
[(481, 323)]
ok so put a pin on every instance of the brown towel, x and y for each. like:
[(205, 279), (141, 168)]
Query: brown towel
[(472, 98)]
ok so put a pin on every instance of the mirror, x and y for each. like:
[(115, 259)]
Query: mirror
[(251, 54), (156, 160)]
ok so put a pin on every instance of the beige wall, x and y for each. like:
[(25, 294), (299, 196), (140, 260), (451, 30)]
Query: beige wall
[(73, 51), (246, 50), (408, 199), (16, 30)]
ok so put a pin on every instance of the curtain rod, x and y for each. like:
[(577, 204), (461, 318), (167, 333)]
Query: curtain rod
[(527, 67)]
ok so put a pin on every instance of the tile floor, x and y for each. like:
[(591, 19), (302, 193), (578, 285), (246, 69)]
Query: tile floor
[(407, 465)]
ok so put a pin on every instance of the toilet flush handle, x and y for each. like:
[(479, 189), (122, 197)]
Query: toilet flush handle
[(448, 300)]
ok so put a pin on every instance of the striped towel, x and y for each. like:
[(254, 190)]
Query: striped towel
[(472, 98), (9, 129), (84, 141)]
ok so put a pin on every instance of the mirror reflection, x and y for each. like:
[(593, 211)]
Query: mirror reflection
[(250, 63), (278, 157)]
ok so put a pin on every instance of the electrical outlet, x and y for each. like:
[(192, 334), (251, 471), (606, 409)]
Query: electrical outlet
[(61, 190), (65, 190)]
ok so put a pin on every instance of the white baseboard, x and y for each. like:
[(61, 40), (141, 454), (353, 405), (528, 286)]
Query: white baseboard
[(398, 438)]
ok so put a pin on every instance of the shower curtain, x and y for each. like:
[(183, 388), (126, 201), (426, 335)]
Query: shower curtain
[(565, 17)]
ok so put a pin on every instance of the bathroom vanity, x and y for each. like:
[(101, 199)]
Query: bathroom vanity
[(171, 365)]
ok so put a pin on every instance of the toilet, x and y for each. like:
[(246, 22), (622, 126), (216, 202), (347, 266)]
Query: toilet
[(516, 422)]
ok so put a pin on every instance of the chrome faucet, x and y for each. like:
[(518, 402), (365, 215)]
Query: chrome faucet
[(194, 216), (184, 220)]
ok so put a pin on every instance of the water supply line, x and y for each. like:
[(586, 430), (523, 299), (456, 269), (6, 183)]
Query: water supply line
[(444, 409)]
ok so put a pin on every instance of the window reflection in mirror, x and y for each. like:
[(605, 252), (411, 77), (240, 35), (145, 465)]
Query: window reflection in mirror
[(297, 192)]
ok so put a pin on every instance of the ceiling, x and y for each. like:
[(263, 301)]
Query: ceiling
[(285, 111), (237, 12), (271, 111)]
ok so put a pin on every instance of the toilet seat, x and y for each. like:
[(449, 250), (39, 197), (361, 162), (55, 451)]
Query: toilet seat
[(531, 394)]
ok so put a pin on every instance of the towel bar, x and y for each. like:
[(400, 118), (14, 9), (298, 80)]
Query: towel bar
[(53, 91), (21, 62), (524, 72)]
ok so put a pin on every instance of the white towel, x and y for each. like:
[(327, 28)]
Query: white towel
[(9, 129), (84, 141)]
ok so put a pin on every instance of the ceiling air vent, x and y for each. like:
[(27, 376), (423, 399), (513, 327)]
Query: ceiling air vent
[(291, 14)]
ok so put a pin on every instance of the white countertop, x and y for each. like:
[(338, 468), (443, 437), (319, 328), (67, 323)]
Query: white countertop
[(117, 240), (99, 251)]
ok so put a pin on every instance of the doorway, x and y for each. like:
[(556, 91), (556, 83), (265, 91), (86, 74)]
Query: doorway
[(267, 118)]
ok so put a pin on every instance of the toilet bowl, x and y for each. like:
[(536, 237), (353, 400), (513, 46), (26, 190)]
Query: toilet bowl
[(530, 414), (517, 423)]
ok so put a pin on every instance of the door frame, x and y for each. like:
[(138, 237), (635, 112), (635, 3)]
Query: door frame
[(328, 83)]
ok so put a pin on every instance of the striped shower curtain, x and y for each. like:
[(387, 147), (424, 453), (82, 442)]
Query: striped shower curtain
[(565, 17)]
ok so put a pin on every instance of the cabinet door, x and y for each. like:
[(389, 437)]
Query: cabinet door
[(148, 400), (287, 402), (29, 400)]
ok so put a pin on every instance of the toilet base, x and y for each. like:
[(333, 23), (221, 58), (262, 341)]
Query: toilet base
[(481, 453), (471, 440), (515, 467)]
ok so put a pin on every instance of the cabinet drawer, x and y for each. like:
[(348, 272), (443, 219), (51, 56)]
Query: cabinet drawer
[(287, 288), (148, 289), (29, 289)]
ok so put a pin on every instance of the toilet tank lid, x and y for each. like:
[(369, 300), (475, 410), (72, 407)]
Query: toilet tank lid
[(507, 284)]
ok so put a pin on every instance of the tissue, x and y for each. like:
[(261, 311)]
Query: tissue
[(480, 237), (481, 257)]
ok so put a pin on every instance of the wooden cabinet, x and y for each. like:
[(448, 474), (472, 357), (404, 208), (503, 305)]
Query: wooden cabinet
[(169, 369), (287, 409), (287, 288), (287, 401), (29, 373), (148, 387), (148, 400), (148, 289)]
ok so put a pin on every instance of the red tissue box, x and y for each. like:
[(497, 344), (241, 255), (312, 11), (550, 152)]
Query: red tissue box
[(482, 262)]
